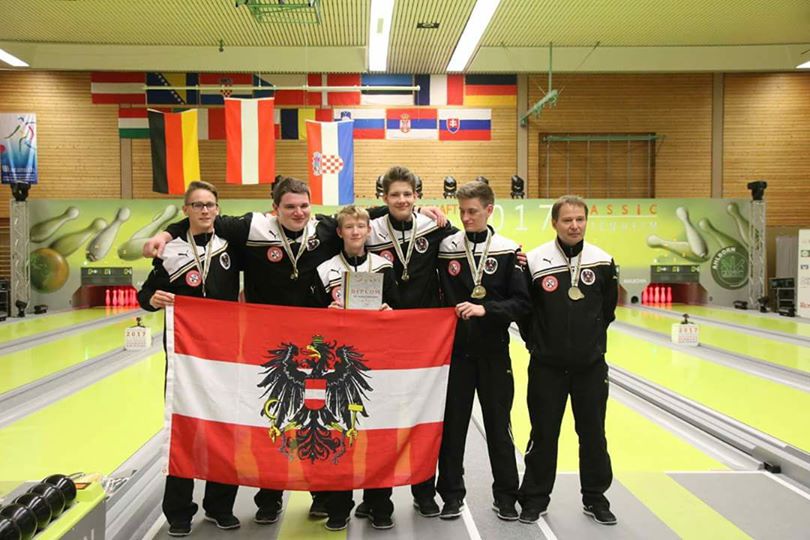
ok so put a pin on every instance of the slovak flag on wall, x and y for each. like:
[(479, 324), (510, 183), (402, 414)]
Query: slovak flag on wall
[(331, 162), (250, 141)]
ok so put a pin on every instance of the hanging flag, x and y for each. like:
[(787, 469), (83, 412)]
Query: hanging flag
[(368, 123), (343, 98), (172, 96), (122, 88), (294, 121), (440, 89), (225, 81), (291, 97), (251, 144), (175, 152), (490, 90), (331, 162), (411, 124), (133, 123), (211, 124), (305, 399), (465, 124), (370, 96)]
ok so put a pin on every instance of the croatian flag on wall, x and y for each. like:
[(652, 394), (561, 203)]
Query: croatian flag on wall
[(465, 124), (305, 399), (250, 141), (331, 162)]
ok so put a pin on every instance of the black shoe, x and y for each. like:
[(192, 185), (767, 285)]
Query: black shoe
[(505, 511), (600, 514), (268, 515), (363, 510), (426, 507), (532, 515), (452, 509), (318, 508), (381, 522), (180, 528), (225, 521), (336, 523)]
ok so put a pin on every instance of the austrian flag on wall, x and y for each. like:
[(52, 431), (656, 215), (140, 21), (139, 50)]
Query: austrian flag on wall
[(305, 399)]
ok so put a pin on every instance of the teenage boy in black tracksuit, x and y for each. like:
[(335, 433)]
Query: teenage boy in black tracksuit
[(481, 277), (212, 273), (574, 291)]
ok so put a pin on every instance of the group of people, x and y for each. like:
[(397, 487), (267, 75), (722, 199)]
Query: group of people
[(562, 295)]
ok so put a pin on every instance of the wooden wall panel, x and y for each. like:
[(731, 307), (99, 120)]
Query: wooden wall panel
[(767, 136), (677, 106), (432, 160), (78, 145)]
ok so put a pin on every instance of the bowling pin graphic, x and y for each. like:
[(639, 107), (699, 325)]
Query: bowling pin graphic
[(99, 246), (681, 249), (696, 242), (69, 243), (45, 229), (742, 223), (132, 248), (723, 240)]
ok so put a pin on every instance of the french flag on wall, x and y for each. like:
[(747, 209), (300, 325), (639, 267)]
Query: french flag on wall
[(331, 162), (465, 124), (440, 89), (368, 123), (411, 124), (250, 141), (305, 399)]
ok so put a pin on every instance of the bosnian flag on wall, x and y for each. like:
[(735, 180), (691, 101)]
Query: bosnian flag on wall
[(305, 399), (250, 141), (331, 162), (465, 124)]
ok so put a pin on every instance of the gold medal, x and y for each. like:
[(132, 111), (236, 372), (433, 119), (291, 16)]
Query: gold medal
[(294, 275), (479, 292), (285, 242), (477, 270), (574, 293), (404, 258), (405, 276)]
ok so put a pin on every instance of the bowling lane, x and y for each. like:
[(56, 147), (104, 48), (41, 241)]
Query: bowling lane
[(94, 430), (753, 319), (636, 443), (762, 404), (21, 328), (28, 365), (732, 340)]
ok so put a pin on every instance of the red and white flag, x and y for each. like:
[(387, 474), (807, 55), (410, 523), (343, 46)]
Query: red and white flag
[(250, 141), (305, 399)]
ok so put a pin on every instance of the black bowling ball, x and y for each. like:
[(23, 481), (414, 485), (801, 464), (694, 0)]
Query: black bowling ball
[(52, 496), (63, 484), (39, 506), (23, 517), (9, 530)]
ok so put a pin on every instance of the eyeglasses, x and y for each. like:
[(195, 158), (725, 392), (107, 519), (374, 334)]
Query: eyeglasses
[(198, 206)]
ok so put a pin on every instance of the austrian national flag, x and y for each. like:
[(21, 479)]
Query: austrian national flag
[(305, 399), (250, 141), (331, 162)]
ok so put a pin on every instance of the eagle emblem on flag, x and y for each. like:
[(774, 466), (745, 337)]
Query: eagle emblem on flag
[(313, 397), (405, 123)]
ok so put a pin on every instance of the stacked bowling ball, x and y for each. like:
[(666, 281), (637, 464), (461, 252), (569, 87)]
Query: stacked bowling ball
[(34, 510)]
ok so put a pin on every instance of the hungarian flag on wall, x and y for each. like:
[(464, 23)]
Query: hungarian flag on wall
[(331, 162), (250, 140), (305, 399), (175, 151)]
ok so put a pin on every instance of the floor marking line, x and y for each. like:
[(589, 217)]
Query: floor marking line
[(469, 523)]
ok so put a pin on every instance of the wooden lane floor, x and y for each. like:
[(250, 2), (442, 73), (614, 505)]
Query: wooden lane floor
[(732, 340), (750, 318), (31, 364), (30, 326)]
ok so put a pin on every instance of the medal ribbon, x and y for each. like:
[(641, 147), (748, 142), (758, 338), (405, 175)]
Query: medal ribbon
[(477, 271), (204, 265), (573, 269), (287, 249), (404, 259)]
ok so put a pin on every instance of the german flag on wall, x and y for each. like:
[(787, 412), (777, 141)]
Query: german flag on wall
[(175, 152)]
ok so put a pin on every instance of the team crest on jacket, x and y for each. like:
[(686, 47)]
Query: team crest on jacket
[(193, 278), (421, 244), (274, 254), (314, 395), (549, 283), (491, 265), (387, 255), (588, 276), (454, 268), (225, 261)]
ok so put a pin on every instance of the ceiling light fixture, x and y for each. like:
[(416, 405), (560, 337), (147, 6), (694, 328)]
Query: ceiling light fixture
[(379, 32), (11, 60), (479, 20)]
